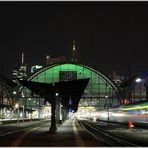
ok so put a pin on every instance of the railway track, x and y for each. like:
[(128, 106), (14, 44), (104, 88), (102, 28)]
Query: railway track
[(102, 135), (18, 129)]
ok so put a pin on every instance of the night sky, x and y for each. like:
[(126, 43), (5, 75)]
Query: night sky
[(110, 36)]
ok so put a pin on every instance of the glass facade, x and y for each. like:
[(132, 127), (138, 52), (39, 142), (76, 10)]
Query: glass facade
[(100, 91)]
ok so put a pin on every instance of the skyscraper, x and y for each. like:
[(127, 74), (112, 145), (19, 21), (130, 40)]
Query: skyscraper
[(21, 73), (74, 53)]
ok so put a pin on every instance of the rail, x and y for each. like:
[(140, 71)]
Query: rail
[(103, 135)]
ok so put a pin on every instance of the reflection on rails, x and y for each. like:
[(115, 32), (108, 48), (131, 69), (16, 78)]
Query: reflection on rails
[(102, 135)]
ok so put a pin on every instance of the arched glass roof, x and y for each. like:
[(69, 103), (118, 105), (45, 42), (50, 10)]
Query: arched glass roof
[(99, 87)]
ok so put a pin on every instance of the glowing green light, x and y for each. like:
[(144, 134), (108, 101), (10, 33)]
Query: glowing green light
[(136, 107), (98, 84)]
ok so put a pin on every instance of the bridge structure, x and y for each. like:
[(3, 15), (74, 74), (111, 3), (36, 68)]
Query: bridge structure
[(69, 87)]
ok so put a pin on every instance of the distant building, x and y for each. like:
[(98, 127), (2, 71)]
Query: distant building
[(135, 89), (21, 73), (52, 60), (74, 53), (35, 68), (117, 79)]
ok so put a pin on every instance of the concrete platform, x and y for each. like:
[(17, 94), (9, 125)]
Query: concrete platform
[(70, 134)]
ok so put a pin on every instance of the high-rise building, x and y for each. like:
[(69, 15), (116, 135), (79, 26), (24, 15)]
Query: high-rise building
[(21, 73), (74, 53)]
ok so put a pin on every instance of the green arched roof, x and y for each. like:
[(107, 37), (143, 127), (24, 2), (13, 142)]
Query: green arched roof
[(99, 85)]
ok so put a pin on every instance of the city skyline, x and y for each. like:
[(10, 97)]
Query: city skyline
[(109, 36)]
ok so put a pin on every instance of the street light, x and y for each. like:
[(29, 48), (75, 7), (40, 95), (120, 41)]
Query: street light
[(58, 108), (23, 96), (15, 97), (139, 80), (17, 107), (57, 94), (14, 92), (30, 107)]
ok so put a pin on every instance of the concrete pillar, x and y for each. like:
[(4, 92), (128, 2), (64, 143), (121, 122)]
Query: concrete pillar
[(53, 118), (58, 110)]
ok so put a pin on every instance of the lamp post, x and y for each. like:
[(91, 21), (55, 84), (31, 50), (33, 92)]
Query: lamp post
[(58, 108), (138, 80), (30, 107), (14, 98), (17, 107), (23, 106)]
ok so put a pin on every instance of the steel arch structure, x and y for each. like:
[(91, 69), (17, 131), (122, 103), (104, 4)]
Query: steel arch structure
[(100, 90)]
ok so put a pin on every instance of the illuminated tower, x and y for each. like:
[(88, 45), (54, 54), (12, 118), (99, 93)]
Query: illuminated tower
[(23, 69), (21, 73), (74, 53), (48, 60)]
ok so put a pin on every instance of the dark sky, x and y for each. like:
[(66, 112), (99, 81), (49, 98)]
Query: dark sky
[(110, 36)]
